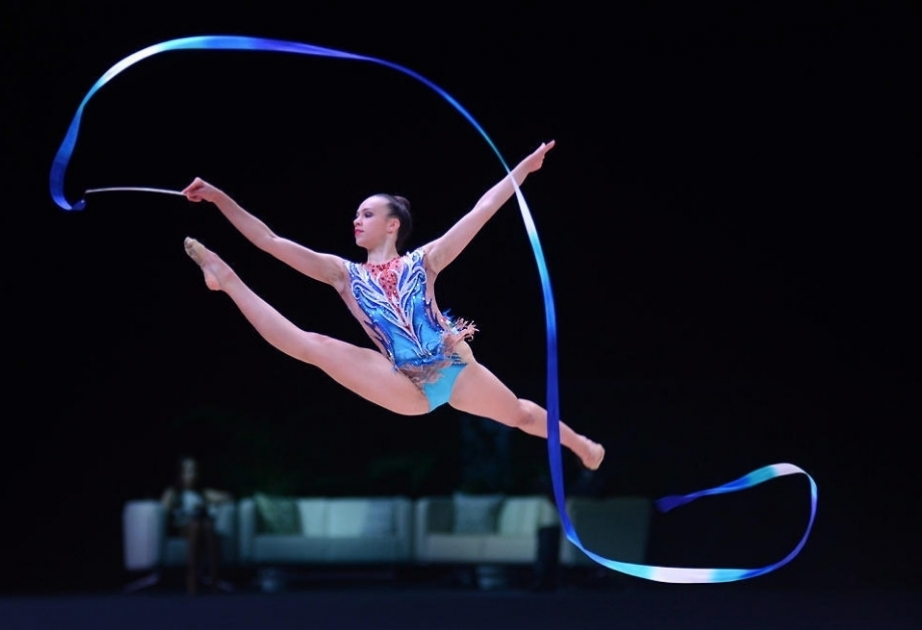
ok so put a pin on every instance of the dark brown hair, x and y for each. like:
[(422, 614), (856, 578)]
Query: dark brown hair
[(400, 208)]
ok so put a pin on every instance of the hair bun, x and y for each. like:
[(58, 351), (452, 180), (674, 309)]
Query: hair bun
[(404, 201)]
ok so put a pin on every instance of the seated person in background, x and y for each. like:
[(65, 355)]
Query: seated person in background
[(190, 513)]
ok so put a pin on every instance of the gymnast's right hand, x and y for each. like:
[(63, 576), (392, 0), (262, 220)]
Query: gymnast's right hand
[(200, 190)]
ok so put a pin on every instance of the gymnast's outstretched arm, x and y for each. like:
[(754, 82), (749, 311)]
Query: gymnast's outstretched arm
[(326, 268), (443, 250)]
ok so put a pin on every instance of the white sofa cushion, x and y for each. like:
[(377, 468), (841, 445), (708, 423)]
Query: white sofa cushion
[(379, 518), (349, 518), (519, 516), (313, 513), (277, 515), (476, 514), (455, 547), (369, 549), (289, 549), (345, 518), (480, 548), (516, 549)]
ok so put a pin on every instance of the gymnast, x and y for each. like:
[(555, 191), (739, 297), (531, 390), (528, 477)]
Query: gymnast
[(423, 359)]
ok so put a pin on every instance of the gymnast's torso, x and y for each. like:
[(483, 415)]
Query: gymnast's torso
[(395, 303)]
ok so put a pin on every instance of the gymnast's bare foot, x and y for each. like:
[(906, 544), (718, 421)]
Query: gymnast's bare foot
[(595, 455), (211, 264)]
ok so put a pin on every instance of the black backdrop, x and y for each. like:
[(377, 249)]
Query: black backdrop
[(727, 219)]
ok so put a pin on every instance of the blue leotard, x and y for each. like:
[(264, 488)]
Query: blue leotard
[(416, 338)]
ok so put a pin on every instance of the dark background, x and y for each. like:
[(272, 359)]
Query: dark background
[(728, 219)]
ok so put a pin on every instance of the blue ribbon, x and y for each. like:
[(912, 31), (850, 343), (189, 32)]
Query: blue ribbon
[(648, 572)]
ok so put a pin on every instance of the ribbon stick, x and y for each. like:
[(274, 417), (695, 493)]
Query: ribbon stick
[(81, 204), (133, 189), (648, 572)]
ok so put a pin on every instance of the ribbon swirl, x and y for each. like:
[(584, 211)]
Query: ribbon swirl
[(648, 572)]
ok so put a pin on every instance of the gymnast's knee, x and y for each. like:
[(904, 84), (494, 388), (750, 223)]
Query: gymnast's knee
[(527, 413)]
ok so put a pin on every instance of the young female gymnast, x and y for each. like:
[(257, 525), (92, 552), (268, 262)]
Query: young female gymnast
[(423, 358)]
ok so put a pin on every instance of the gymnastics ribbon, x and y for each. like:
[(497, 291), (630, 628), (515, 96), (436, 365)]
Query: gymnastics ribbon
[(648, 572)]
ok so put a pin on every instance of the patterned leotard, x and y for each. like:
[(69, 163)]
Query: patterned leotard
[(416, 338)]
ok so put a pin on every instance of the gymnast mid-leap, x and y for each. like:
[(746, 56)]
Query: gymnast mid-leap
[(423, 358)]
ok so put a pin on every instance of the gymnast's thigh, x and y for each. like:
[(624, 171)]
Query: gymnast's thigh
[(367, 373), (479, 392)]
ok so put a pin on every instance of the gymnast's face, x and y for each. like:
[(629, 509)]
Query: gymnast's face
[(373, 224)]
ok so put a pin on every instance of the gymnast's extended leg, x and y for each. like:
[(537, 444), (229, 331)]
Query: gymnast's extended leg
[(366, 372), (479, 392)]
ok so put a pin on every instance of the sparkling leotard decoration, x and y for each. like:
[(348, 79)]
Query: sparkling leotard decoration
[(402, 317)]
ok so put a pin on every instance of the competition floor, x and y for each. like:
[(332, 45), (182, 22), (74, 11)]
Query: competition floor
[(438, 606)]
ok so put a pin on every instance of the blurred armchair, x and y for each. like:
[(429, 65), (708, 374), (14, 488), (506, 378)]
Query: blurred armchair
[(148, 547), (614, 527)]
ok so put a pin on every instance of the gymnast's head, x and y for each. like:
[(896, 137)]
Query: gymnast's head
[(380, 216)]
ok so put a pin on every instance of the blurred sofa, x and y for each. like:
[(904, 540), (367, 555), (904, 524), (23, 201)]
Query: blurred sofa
[(480, 529), (266, 532), (279, 531)]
